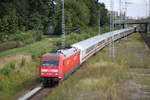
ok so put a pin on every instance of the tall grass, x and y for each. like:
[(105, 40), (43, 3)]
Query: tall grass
[(22, 72), (13, 77), (23, 62), (8, 69)]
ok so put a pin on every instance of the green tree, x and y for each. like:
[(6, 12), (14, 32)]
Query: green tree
[(25, 15)]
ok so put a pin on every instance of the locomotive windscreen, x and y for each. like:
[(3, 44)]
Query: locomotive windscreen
[(50, 63)]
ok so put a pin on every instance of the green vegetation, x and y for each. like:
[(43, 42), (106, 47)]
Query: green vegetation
[(101, 77), (19, 67), (20, 39), (26, 20), (13, 78), (53, 42)]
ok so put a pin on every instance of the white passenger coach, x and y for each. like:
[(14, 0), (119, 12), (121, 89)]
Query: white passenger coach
[(92, 45)]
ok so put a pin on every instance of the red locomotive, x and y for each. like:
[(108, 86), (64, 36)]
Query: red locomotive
[(54, 67)]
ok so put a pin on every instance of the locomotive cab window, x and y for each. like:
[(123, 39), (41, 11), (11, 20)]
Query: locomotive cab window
[(50, 62)]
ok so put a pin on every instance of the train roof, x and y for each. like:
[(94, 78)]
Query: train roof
[(91, 41), (51, 54), (67, 52)]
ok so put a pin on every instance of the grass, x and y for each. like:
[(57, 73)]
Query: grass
[(104, 78), (20, 66), (33, 48), (14, 78)]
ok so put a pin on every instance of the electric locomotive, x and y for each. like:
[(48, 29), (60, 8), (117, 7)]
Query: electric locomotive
[(55, 67)]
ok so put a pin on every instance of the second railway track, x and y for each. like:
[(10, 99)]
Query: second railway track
[(146, 39)]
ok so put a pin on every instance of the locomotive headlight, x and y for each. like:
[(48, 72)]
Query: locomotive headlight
[(42, 73), (54, 70), (44, 70)]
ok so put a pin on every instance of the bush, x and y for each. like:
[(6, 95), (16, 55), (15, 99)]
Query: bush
[(23, 61), (18, 36), (8, 24), (8, 45), (8, 69), (38, 35), (2, 85), (2, 36), (33, 56)]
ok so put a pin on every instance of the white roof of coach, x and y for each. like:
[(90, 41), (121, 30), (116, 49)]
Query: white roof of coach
[(87, 43), (91, 41), (67, 52)]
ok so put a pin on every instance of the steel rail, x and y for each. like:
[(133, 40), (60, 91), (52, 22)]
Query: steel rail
[(31, 93)]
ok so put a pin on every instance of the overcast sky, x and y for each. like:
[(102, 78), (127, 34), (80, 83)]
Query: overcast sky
[(138, 8)]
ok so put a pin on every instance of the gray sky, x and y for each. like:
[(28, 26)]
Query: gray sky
[(138, 8)]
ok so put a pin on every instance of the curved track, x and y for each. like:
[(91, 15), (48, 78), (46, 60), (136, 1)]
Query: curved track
[(37, 93), (41, 94)]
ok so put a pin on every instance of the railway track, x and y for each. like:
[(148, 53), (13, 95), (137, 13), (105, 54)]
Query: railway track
[(37, 93), (41, 94), (146, 39)]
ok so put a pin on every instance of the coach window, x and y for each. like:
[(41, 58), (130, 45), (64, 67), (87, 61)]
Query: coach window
[(89, 49), (99, 43)]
